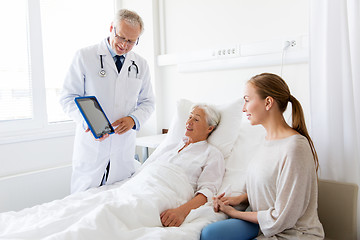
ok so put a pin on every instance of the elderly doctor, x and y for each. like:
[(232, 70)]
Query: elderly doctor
[(120, 80)]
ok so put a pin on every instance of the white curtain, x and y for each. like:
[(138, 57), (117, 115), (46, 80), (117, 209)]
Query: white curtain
[(335, 88)]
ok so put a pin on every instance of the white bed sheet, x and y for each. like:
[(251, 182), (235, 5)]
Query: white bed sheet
[(128, 210)]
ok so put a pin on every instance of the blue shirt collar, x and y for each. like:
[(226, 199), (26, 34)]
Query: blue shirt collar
[(113, 54)]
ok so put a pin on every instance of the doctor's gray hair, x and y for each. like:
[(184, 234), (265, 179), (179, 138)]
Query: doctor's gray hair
[(213, 116), (131, 17)]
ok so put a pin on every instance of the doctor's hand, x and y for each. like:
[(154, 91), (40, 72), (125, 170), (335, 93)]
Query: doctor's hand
[(98, 139), (172, 217), (123, 125)]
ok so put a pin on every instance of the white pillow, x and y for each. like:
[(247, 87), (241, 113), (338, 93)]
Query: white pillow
[(224, 135), (236, 139), (237, 163)]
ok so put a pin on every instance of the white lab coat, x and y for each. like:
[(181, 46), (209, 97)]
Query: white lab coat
[(119, 96)]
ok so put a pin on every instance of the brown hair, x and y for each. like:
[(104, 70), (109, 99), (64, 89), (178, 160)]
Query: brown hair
[(268, 84)]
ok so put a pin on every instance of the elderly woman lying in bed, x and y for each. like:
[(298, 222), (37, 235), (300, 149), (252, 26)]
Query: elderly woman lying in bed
[(174, 180), (202, 162)]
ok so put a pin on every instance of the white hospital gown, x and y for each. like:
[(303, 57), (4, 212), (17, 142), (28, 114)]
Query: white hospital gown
[(202, 162)]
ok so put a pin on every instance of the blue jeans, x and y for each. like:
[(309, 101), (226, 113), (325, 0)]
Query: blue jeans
[(230, 229)]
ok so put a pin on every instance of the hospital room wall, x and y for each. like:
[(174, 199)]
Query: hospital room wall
[(38, 170), (34, 171), (191, 26)]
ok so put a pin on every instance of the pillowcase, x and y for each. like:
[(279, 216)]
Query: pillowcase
[(236, 139), (246, 144), (224, 135)]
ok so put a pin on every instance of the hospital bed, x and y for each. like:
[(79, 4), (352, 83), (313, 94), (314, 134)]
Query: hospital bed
[(99, 213)]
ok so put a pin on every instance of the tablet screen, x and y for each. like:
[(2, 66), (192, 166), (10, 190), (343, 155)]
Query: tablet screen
[(94, 116)]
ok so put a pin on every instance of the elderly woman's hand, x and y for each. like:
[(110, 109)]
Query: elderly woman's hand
[(216, 201), (172, 217), (227, 209), (232, 201)]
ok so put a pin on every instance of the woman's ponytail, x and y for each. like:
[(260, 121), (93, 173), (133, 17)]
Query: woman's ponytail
[(298, 124)]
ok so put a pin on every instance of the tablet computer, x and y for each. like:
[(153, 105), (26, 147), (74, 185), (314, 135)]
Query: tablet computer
[(94, 116)]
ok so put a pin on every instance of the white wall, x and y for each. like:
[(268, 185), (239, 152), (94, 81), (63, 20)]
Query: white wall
[(34, 171), (26, 156), (37, 171), (145, 48), (197, 25), (32, 188)]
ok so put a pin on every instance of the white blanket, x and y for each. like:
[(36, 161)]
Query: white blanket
[(130, 210)]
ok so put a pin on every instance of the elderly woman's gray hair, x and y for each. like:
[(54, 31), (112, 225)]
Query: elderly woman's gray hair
[(213, 116), (131, 17)]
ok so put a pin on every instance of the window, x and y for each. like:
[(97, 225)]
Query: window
[(41, 38), (15, 84), (67, 26)]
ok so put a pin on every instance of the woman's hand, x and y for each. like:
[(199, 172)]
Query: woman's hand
[(232, 201), (233, 213), (216, 201), (221, 206)]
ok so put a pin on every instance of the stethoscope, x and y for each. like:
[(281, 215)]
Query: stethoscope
[(132, 68), (102, 71)]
